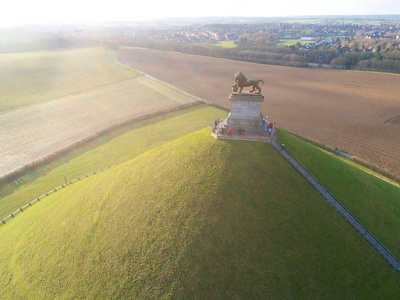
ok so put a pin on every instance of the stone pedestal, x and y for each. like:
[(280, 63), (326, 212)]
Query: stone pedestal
[(246, 113)]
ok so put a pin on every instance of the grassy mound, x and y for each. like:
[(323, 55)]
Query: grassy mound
[(195, 218)]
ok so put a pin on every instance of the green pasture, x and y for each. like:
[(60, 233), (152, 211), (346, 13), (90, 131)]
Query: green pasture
[(117, 147), (193, 218), (292, 42), (37, 76), (226, 44), (223, 44), (373, 201)]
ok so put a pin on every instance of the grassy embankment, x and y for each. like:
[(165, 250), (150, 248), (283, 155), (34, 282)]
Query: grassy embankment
[(373, 201), (195, 218), (36, 76), (116, 147)]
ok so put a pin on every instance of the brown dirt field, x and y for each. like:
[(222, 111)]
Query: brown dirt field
[(32, 132), (336, 108)]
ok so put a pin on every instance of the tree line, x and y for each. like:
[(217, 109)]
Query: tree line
[(385, 61)]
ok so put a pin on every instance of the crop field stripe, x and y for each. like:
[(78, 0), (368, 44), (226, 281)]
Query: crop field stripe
[(82, 116), (35, 77), (332, 201), (66, 149)]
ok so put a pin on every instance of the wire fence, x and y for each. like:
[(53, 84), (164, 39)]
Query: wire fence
[(65, 151), (53, 190)]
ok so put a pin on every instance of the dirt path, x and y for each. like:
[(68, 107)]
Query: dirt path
[(32, 132)]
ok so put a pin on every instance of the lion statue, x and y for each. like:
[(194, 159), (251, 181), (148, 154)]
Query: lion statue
[(242, 81)]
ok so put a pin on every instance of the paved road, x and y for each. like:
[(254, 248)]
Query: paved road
[(356, 224)]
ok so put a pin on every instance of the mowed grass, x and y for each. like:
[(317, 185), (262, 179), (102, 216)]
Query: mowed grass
[(373, 201), (292, 42), (32, 77), (195, 218), (226, 44), (117, 147)]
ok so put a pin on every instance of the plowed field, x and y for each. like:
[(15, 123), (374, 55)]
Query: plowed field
[(32, 132), (340, 109)]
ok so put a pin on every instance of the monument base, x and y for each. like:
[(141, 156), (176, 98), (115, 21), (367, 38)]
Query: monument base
[(253, 126), (245, 121), (243, 133)]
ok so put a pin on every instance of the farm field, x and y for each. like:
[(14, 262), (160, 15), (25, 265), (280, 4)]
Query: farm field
[(30, 133), (116, 147), (38, 76), (226, 44), (214, 233), (292, 42), (343, 109)]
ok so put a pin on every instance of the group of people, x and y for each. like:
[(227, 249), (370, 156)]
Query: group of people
[(226, 131), (269, 126)]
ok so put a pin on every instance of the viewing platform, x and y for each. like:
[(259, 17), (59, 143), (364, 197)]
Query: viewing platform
[(245, 121), (221, 132)]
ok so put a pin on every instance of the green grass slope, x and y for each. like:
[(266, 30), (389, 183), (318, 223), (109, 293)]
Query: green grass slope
[(113, 148), (194, 218), (36, 76), (373, 201)]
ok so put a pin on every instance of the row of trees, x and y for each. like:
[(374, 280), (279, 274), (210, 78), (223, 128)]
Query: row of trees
[(286, 56)]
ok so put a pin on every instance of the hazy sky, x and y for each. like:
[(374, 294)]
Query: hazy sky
[(17, 12)]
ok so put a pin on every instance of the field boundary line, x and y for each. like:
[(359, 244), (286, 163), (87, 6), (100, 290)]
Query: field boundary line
[(53, 190), (158, 80), (80, 143), (390, 178), (33, 165), (339, 207), (11, 176), (70, 94)]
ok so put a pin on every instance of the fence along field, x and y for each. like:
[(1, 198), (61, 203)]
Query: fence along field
[(33, 132), (112, 146), (336, 108), (36, 76)]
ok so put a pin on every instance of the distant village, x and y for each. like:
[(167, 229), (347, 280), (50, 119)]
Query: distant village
[(345, 36), (365, 44)]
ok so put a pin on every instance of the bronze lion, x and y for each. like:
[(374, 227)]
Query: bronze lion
[(242, 81)]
